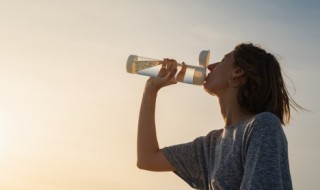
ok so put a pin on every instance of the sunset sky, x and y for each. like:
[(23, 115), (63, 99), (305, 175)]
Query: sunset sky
[(69, 109)]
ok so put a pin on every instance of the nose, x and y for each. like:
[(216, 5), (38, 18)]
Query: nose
[(212, 66)]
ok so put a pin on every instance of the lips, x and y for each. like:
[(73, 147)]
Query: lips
[(205, 79)]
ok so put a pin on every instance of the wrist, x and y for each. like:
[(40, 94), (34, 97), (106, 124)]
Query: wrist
[(151, 90), (151, 87)]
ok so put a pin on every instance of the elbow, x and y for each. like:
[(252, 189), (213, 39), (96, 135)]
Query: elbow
[(142, 164), (144, 161), (154, 163), (149, 161)]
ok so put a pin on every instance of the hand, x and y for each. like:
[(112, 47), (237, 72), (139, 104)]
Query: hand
[(182, 73), (166, 75)]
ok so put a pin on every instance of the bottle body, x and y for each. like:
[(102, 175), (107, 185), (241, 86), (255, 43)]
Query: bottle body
[(151, 67)]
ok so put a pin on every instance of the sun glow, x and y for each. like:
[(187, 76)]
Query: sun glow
[(4, 133)]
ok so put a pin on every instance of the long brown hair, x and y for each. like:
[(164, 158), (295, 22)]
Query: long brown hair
[(264, 89)]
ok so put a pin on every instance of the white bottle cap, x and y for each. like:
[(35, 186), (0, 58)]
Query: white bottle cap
[(204, 58)]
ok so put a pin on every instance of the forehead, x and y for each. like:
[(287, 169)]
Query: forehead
[(230, 54), (229, 58)]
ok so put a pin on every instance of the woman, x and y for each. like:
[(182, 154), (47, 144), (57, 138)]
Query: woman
[(250, 151)]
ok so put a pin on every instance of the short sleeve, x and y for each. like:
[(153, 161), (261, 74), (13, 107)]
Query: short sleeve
[(266, 164), (190, 160), (186, 160)]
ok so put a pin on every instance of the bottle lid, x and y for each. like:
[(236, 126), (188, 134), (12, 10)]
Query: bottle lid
[(204, 58), (130, 63)]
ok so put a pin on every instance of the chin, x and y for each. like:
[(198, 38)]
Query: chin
[(208, 90)]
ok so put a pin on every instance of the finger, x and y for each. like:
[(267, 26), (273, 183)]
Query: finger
[(173, 69), (170, 72), (164, 64), (167, 66), (170, 65), (163, 71), (182, 72)]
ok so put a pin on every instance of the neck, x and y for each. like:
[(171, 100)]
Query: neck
[(231, 111)]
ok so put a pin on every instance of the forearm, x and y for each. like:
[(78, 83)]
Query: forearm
[(150, 157), (147, 143)]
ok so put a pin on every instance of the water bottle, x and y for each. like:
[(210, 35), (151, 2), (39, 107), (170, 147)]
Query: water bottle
[(151, 67)]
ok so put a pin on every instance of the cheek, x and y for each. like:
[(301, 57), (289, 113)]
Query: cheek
[(216, 81)]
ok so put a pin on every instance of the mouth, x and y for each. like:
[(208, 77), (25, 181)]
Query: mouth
[(205, 80)]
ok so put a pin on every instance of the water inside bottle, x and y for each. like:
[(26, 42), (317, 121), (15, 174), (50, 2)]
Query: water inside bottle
[(152, 68)]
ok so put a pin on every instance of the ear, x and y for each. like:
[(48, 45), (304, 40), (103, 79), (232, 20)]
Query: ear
[(237, 72)]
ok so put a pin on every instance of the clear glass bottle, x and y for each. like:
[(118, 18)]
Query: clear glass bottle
[(151, 67)]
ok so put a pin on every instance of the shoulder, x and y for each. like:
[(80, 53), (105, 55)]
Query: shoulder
[(266, 119), (213, 135), (209, 138), (265, 123), (265, 130)]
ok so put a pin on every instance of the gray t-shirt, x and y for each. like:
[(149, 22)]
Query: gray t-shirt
[(250, 155)]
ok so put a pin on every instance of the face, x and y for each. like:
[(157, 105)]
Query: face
[(219, 75)]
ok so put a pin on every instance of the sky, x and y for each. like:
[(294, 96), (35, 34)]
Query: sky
[(69, 109)]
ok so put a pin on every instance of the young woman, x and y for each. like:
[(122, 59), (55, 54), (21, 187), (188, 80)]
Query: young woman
[(250, 151)]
